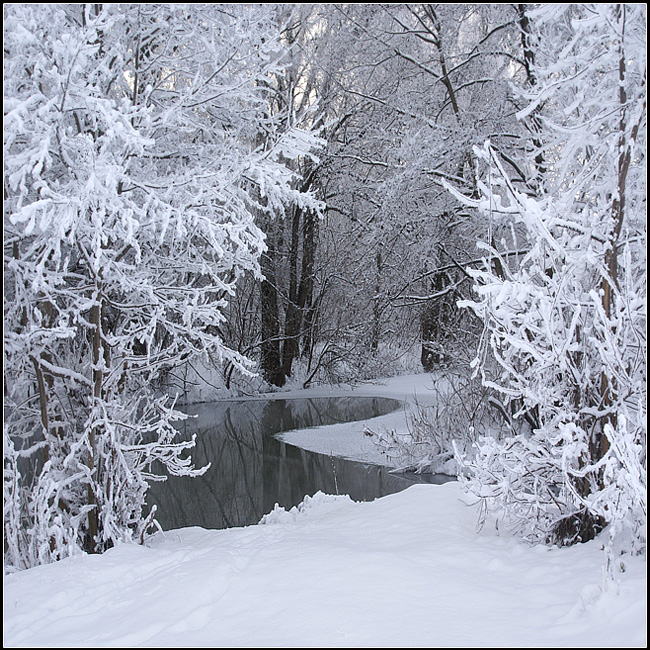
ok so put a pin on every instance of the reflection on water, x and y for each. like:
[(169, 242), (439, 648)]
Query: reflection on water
[(251, 470)]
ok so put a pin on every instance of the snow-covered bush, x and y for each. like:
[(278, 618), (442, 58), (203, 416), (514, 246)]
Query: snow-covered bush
[(566, 319), (460, 410), (133, 177)]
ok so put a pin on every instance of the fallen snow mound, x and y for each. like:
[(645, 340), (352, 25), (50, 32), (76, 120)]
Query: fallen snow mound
[(318, 504)]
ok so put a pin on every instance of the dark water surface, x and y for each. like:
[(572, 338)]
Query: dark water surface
[(251, 470)]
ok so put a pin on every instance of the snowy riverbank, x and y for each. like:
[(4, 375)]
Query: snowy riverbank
[(407, 570), (348, 440)]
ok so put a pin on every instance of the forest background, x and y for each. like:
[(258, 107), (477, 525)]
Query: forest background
[(324, 193)]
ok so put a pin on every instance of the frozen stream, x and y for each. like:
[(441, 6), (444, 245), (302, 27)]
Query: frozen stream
[(252, 470)]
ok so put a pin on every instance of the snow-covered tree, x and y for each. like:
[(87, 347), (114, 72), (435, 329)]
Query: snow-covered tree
[(405, 90), (402, 93), (565, 320), (133, 177)]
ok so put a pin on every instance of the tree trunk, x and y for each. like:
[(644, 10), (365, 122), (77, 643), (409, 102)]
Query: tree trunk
[(375, 334), (529, 60), (610, 280), (293, 315), (97, 379), (270, 361), (306, 288)]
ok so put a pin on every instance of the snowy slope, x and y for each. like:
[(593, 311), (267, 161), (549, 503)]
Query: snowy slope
[(408, 570)]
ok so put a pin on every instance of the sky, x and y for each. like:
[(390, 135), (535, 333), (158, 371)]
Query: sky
[(406, 570)]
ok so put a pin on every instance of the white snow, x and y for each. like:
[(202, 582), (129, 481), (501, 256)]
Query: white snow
[(348, 440), (407, 570)]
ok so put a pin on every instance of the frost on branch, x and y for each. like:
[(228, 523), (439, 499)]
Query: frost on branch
[(583, 465), (130, 169), (566, 324)]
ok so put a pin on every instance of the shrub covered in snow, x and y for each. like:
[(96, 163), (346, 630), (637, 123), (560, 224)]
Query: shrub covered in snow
[(565, 320), (133, 177)]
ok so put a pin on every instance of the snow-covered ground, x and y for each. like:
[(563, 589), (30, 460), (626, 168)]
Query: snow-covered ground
[(407, 570)]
